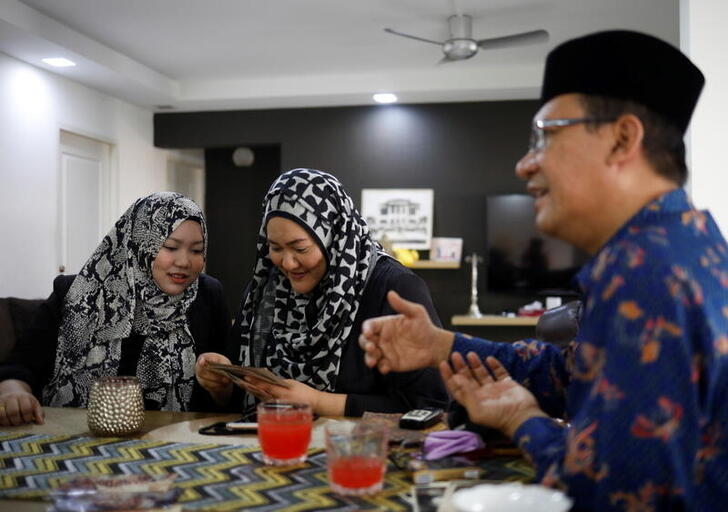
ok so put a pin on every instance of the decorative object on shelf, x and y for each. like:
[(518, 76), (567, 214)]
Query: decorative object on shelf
[(406, 256), (115, 406), (535, 308), (404, 215), (446, 249), (474, 310), (386, 244)]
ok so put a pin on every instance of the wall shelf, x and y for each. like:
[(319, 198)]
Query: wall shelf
[(431, 264), (494, 320)]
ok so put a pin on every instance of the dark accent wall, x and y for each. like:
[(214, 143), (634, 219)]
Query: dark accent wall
[(464, 151), (233, 209)]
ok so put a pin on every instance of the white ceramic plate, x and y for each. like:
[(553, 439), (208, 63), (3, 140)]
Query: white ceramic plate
[(510, 498)]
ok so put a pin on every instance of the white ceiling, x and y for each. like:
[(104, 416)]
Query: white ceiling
[(242, 54)]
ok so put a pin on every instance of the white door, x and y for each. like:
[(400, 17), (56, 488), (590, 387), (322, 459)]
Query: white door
[(186, 174), (84, 191)]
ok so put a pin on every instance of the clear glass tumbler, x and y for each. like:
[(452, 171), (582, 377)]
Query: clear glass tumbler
[(115, 406), (284, 431), (356, 456)]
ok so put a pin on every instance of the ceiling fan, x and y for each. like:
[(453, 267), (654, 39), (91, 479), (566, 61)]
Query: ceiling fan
[(461, 45)]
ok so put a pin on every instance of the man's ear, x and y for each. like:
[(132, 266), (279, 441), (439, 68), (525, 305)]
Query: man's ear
[(628, 135)]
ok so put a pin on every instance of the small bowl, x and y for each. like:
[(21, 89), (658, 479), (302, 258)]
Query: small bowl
[(511, 497)]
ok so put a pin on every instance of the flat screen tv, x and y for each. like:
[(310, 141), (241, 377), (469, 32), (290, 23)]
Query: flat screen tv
[(522, 260)]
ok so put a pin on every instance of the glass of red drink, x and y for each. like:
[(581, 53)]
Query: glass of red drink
[(284, 431), (357, 456)]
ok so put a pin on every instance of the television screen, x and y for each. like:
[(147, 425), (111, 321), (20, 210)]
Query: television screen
[(520, 258)]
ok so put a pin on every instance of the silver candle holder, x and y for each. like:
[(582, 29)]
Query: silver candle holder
[(474, 310), (115, 406)]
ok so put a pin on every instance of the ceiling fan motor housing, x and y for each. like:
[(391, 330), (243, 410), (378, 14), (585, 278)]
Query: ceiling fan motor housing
[(458, 49)]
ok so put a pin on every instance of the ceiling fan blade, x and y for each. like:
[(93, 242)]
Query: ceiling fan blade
[(531, 37), (412, 37)]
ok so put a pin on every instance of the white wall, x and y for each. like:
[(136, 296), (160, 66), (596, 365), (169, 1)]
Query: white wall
[(34, 106), (705, 39)]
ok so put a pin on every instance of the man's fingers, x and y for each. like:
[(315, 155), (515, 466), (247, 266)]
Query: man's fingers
[(372, 353), (479, 371), (403, 306), (459, 388), (497, 368), (445, 371), (447, 376), (372, 327), (384, 367), (458, 363)]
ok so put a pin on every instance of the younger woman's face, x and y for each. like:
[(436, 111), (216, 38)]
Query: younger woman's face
[(296, 254), (180, 259)]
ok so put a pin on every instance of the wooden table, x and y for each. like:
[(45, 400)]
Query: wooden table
[(158, 426), (169, 429)]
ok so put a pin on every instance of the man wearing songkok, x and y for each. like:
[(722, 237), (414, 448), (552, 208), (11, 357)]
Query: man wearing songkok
[(645, 384)]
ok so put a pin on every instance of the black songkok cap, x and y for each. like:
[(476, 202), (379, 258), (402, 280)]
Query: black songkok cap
[(626, 65)]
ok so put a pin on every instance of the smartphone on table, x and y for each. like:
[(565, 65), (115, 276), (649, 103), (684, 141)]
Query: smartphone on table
[(230, 428)]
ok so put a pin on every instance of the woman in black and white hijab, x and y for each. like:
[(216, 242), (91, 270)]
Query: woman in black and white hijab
[(139, 306), (318, 275)]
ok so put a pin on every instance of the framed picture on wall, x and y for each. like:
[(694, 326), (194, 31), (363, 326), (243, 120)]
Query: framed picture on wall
[(404, 215)]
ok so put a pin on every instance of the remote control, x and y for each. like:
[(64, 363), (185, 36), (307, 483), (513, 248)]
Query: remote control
[(418, 419)]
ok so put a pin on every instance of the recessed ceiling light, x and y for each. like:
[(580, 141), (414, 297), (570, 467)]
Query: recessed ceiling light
[(385, 97), (59, 62)]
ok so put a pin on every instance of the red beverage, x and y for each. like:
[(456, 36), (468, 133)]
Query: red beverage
[(285, 439), (357, 471), (357, 456), (284, 431)]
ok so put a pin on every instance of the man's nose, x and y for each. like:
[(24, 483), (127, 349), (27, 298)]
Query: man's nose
[(527, 165)]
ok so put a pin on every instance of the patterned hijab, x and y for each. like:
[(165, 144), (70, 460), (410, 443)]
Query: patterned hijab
[(308, 351), (114, 297)]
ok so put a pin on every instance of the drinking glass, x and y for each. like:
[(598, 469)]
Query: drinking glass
[(115, 406), (284, 431), (356, 456)]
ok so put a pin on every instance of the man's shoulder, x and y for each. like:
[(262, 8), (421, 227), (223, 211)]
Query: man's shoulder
[(681, 239)]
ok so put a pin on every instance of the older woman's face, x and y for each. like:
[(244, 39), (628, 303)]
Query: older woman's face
[(180, 259), (296, 254)]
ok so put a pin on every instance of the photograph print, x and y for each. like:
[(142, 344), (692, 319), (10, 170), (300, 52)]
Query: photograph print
[(403, 215)]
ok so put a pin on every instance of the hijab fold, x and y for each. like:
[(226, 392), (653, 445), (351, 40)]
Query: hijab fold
[(114, 296)]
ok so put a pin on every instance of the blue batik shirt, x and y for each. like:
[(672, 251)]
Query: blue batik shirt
[(647, 380)]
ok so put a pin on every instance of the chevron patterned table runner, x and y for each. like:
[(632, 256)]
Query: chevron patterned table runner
[(213, 476)]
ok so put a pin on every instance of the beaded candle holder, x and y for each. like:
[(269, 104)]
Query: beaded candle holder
[(115, 406)]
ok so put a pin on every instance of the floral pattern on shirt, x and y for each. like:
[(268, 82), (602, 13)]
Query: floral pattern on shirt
[(647, 395)]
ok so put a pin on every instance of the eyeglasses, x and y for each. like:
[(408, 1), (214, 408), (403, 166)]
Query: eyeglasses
[(538, 129)]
